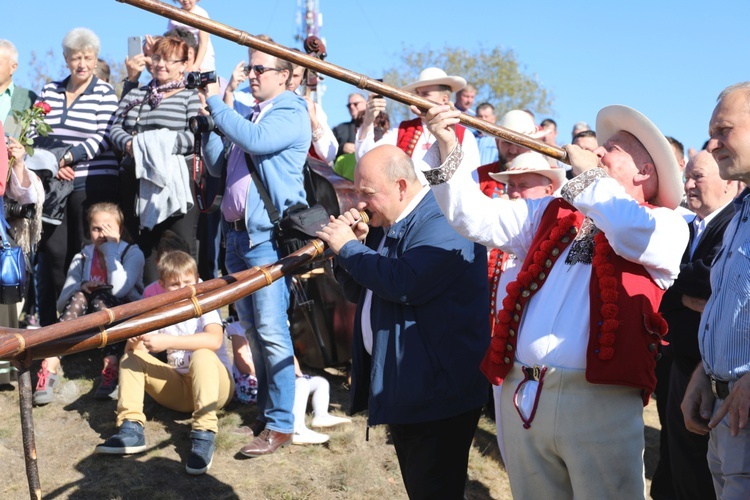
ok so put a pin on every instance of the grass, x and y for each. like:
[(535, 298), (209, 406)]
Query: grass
[(346, 467)]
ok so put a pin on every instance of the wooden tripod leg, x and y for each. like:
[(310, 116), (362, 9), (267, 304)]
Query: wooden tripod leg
[(27, 430)]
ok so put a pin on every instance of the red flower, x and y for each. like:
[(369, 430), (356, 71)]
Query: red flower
[(605, 270), (608, 282), (546, 246), (609, 311), (606, 353), (503, 316), (525, 278), (535, 269), (607, 339), (46, 108), (610, 325), (513, 289), (609, 296)]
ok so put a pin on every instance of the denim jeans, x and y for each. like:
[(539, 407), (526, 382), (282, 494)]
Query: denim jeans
[(263, 316)]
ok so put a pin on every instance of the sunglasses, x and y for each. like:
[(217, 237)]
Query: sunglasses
[(259, 69)]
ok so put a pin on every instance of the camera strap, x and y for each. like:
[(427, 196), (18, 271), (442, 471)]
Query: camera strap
[(200, 181)]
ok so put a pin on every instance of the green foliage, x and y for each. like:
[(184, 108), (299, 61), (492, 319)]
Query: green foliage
[(32, 117), (497, 74)]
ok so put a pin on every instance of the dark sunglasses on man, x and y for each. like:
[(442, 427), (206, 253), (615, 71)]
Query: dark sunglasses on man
[(259, 69)]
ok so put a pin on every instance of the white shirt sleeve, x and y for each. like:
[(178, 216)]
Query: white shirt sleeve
[(327, 145)]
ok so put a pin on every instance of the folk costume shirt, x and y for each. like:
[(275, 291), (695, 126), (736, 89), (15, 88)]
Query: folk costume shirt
[(725, 323), (554, 330)]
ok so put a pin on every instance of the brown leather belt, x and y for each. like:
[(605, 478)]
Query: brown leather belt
[(720, 388)]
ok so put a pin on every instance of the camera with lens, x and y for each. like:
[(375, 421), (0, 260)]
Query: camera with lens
[(15, 210), (199, 124), (196, 79)]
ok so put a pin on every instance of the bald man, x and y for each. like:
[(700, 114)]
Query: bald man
[(421, 326)]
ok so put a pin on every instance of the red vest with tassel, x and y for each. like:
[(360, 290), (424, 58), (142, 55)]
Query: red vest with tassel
[(625, 328)]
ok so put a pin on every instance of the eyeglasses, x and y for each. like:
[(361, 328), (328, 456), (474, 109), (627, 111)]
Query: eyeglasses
[(354, 104), (168, 62), (259, 69)]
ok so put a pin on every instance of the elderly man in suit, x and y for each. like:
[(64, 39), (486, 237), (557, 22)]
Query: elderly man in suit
[(12, 96)]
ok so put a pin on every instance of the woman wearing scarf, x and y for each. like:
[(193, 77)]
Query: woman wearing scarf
[(151, 129)]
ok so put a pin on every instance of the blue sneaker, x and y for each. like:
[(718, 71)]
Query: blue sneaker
[(129, 439), (202, 452)]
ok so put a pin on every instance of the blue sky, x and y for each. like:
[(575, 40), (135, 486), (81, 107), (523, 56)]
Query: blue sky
[(667, 59)]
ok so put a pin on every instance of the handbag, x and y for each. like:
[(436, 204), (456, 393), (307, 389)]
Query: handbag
[(297, 227), (13, 265)]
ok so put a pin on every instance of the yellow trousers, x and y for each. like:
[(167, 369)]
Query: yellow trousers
[(207, 387)]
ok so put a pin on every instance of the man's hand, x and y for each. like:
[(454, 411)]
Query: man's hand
[(238, 76), (737, 405), (441, 120), (581, 159), (375, 106), (698, 402), (348, 227), (694, 303)]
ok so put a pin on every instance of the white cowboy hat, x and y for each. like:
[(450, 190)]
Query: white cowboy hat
[(532, 163), (522, 122), (612, 119), (436, 76)]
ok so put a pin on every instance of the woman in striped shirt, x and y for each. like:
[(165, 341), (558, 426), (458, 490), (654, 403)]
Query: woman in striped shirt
[(152, 122), (81, 116)]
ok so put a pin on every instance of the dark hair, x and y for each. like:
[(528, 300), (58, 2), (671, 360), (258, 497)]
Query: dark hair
[(485, 105), (677, 145), (183, 34), (102, 70), (168, 46), (585, 133), (548, 121), (170, 242)]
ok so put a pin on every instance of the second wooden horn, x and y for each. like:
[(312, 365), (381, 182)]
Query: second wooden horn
[(337, 72)]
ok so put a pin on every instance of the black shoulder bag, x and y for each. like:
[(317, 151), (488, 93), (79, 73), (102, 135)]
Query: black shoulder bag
[(298, 225)]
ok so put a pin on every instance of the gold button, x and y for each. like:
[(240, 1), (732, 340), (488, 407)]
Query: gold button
[(518, 306), (533, 287), (525, 293), (516, 318), (506, 359), (542, 275), (565, 239), (512, 332), (508, 347), (555, 252), (548, 264)]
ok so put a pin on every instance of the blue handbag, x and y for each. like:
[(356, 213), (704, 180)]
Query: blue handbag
[(13, 264)]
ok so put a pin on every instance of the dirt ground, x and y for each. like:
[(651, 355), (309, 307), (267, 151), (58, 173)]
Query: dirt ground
[(349, 466)]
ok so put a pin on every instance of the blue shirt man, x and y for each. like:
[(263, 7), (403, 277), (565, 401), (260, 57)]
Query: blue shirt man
[(277, 138)]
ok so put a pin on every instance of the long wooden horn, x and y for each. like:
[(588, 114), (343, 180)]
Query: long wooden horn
[(359, 80)]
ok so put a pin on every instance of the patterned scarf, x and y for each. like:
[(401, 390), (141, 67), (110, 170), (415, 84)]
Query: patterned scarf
[(155, 94)]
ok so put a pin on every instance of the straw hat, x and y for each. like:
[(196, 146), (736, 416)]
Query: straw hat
[(612, 119), (521, 122), (532, 163), (436, 76)]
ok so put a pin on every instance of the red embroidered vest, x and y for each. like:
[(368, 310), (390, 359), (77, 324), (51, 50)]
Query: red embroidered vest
[(410, 131), (629, 308)]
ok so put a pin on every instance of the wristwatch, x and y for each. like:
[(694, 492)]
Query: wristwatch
[(68, 158)]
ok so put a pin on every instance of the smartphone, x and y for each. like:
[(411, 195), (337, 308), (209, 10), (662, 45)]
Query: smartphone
[(135, 46), (378, 96)]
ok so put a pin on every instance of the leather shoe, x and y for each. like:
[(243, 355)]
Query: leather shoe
[(266, 443)]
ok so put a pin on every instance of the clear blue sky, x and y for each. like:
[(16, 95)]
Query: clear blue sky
[(667, 59)]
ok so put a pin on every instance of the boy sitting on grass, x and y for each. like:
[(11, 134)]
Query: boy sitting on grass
[(197, 377)]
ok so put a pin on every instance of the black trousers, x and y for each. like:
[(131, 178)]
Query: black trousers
[(690, 474), (661, 483), (434, 456), (185, 226)]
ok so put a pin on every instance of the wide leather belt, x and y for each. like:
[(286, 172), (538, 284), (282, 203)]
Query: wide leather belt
[(720, 388), (238, 225)]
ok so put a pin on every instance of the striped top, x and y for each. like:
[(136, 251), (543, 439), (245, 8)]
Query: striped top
[(724, 332), (172, 113), (85, 125)]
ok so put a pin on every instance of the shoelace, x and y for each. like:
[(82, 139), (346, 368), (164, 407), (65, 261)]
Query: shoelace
[(41, 384), (109, 375)]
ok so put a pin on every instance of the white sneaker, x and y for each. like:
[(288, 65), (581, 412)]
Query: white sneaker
[(328, 420), (308, 436)]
